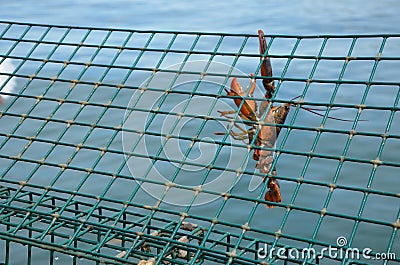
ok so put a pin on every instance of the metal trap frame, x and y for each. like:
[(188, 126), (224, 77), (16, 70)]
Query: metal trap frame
[(61, 129)]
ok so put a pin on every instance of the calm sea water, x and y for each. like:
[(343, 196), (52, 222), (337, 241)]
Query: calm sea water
[(291, 17), (288, 17)]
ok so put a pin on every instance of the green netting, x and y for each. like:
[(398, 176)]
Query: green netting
[(69, 196)]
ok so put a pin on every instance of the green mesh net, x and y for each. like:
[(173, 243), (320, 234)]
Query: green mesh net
[(108, 151)]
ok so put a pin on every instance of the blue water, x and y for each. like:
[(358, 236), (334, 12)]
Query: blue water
[(289, 17), (274, 17)]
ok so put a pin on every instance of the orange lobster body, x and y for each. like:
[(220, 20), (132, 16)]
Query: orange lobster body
[(263, 131)]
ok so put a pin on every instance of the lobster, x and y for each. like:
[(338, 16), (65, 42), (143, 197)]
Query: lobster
[(263, 119)]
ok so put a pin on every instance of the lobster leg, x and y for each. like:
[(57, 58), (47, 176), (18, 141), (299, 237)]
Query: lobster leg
[(226, 113), (238, 136), (241, 136)]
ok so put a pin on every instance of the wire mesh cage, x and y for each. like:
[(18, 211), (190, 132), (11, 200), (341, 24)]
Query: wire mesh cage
[(108, 150)]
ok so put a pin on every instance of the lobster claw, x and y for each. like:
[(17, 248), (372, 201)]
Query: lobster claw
[(274, 192), (249, 107), (266, 68)]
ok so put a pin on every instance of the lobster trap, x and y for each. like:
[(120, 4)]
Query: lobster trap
[(108, 151)]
